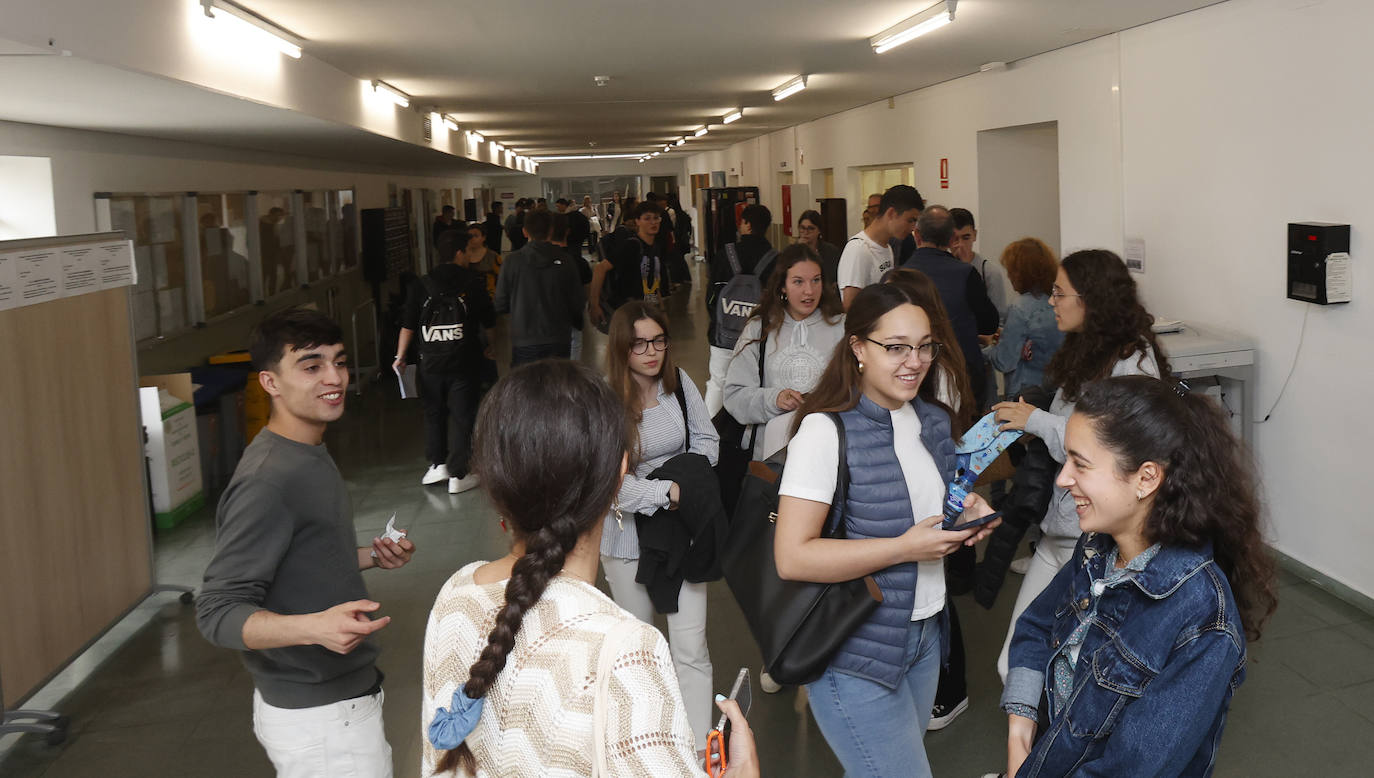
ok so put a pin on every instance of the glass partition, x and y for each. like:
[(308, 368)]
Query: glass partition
[(276, 243), (153, 222), (223, 234)]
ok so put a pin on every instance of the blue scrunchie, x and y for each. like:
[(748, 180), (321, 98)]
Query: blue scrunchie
[(452, 725)]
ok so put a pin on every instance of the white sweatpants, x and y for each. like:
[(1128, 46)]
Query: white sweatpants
[(686, 637), (1051, 553), (340, 740)]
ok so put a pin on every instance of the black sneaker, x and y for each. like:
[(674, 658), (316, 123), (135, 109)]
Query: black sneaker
[(942, 716)]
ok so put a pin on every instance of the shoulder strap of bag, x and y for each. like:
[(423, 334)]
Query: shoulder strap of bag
[(732, 254), (841, 478), (763, 349), (681, 395), (605, 664)]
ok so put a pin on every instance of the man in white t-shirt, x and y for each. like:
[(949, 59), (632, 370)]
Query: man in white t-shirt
[(867, 255)]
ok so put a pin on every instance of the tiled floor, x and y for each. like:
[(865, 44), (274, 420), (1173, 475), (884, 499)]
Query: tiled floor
[(163, 702)]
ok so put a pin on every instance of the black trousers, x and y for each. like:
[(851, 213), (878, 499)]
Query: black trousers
[(953, 685), (523, 354), (450, 412)]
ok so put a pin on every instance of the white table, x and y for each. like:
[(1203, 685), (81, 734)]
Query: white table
[(1201, 351)]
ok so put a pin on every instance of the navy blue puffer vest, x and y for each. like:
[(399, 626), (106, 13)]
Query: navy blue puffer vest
[(879, 506)]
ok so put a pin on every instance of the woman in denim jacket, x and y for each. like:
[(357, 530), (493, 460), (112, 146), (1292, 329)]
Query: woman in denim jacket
[(1138, 643)]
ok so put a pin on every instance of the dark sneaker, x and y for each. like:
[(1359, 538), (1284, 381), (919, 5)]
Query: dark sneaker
[(942, 716)]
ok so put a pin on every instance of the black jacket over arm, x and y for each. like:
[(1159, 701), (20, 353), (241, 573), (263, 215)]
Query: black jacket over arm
[(684, 544)]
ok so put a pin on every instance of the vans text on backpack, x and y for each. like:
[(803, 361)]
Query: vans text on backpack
[(737, 298), (444, 328)]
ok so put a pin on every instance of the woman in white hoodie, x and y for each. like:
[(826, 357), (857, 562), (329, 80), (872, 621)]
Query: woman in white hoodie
[(796, 324)]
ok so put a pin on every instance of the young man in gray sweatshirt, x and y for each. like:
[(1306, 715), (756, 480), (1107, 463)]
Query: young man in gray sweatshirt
[(285, 586)]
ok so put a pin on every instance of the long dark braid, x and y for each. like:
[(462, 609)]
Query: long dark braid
[(549, 443)]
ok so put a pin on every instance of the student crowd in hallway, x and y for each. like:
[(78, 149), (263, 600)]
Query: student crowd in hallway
[(866, 366)]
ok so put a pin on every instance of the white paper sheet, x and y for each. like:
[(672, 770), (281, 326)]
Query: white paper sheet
[(80, 269), (8, 281), (39, 274), (116, 260)]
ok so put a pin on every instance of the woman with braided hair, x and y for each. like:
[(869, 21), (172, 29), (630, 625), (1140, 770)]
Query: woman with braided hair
[(529, 669)]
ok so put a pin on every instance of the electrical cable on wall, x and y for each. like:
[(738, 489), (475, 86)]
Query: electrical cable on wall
[(1302, 333)]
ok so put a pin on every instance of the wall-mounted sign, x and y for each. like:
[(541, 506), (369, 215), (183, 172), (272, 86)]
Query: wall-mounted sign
[(944, 173), (507, 195)]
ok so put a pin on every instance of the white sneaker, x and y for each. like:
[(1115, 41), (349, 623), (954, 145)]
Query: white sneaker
[(1020, 565), (458, 485), (435, 474), (767, 684)]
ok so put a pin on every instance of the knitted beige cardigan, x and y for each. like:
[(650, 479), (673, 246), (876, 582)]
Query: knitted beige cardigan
[(538, 718)]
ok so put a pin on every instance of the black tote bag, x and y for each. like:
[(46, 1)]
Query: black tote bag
[(798, 625), (733, 460)]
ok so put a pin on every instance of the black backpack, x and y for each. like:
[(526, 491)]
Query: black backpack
[(445, 331)]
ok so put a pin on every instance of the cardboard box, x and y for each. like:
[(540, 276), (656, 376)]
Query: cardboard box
[(173, 448)]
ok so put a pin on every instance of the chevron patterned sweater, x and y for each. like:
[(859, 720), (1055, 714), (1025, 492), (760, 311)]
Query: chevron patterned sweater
[(538, 718)]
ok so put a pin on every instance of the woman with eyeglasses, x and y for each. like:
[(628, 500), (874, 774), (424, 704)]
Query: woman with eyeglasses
[(796, 327), (667, 416), (809, 235), (1106, 333), (873, 702)]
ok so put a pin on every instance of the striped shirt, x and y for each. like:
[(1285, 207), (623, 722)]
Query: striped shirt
[(662, 433)]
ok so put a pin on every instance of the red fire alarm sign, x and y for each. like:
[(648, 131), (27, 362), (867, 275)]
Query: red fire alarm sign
[(944, 173)]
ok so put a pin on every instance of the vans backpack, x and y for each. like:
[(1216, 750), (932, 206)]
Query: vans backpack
[(445, 331), (737, 298)]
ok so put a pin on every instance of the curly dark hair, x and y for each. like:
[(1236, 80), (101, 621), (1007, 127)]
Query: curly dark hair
[(1209, 491), (1115, 324), (555, 424)]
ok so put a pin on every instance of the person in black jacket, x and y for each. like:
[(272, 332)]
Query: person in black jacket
[(961, 290), (449, 390), (752, 248), (540, 288), (494, 226)]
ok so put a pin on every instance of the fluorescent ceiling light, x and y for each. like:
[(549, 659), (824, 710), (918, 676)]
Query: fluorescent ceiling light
[(496, 147), (450, 123), (570, 157), (701, 132), (391, 93), (933, 18), (733, 116), (246, 22), (655, 154), (475, 136), (680, 141), (790, 88)]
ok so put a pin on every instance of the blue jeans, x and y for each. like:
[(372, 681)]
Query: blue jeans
[(877, 731)]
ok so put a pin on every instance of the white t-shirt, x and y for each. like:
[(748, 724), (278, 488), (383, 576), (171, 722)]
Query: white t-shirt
[(863, 261), (813, 455)]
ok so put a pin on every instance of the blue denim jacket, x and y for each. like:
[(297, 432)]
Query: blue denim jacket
[(1155, 673)]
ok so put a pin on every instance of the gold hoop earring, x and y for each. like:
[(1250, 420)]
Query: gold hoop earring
[(861, 367)]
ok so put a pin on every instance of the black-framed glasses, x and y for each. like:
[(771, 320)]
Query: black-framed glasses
[(926, 352), (641, 345)]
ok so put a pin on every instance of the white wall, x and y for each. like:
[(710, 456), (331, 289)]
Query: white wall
[(1203, 134), (1018, 186), (26, 206)]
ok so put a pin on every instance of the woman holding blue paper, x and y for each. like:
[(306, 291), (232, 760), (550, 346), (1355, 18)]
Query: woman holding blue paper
[(1140, 641), (874, 700), (1107, 333)]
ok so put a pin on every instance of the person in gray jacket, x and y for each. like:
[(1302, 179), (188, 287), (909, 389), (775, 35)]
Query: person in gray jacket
[(796, 325), (1107, 334), (285, 586), (540, 288)]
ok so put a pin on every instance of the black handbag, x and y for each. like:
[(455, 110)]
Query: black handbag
[(733, 460), (798, 625)]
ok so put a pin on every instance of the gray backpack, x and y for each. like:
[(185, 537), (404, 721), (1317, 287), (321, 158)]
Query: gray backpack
[(737, 298)]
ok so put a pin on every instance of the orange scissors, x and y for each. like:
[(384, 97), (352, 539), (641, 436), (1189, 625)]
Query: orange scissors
[(715, 747)]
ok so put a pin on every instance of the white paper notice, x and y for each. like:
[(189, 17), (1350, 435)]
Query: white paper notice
[(39, 276), (1135, 255), (8, 280), (116, 260), (80, 270)]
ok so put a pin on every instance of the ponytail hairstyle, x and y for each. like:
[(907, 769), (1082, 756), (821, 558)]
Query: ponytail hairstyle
[(950, 363), (773, 307), (840, 383), (549, 443), (1209, 490), (1115, 324)]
